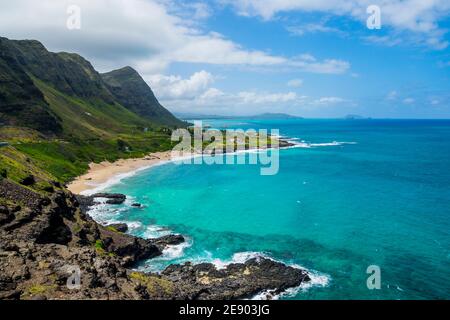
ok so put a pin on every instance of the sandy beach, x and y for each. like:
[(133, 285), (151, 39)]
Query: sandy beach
[(100, 173)]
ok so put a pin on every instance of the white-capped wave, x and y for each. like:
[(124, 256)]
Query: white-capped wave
[(155, 231), (176, 251), (317, 279), (298, 143), (331, 144)]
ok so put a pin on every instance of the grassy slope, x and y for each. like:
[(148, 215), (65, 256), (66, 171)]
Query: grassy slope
[(93, 132)]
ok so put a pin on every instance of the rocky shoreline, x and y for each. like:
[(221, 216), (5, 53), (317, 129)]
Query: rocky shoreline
[(43, 237)]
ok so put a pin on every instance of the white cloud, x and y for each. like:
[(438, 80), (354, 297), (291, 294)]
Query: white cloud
[(408, 101), (149, 35), (175, 87), (384, 40), (295, 83), (416, 16), (392, 95), (212, 94), (311, 64), (250, 97), (301, 30), (328, 101), (435, 102), (196, 94)]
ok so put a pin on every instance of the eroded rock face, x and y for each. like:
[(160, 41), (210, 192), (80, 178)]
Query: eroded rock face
[(120, 227), (236, 281), (131, 248), (113, 198), (45, 241)]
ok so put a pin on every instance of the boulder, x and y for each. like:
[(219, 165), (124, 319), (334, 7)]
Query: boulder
[(121, 227), (169, 240), (28, 180), (130, 248), (113, 198)]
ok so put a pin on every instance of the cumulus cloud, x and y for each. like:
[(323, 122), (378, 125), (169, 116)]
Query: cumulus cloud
[(196, 93), (250, 97), (295, 83), (328, 101), (303, 29), (150, 35), (408, 101), (311, 64), (392, 95), (416, 16), (175, 87)]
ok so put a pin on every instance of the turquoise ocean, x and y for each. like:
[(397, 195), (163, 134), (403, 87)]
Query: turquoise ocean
[(351, 194)]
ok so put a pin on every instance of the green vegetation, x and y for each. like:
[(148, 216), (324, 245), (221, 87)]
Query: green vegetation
[(58, 114), (155, 285), (37, 289), (99, 247), (111, 228)]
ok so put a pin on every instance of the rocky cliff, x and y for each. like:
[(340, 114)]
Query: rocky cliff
[(44, 238)]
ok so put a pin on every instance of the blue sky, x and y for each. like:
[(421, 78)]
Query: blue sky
[(308, 58)]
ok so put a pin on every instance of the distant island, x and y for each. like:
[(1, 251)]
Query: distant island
[(355, 117), (262, 116)]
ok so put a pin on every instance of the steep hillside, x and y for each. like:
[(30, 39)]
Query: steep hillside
[(118, 93), (68, 73), (56, 109), (133, 93), (21, 102)]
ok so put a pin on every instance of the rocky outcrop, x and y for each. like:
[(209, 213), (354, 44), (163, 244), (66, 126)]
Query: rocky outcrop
[(119, 227), (113, 198), (89, 201), (236, 281), (130, 248), (48, 243)]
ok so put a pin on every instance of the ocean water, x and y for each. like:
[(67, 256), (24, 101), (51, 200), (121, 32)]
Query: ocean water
[(353, 193)]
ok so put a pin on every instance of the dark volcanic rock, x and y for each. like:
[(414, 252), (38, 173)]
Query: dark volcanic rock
[(130, 248), (169, 240), (5, 215), (88, 201), (121, 227), (136, 205), (110, 195), (28, 180), (115, 201), (285, 144), (236, 281), (42, 240), (85, 202), (113, 198)]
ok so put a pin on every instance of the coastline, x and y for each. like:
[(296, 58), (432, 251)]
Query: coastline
[(100, 173), (103, 174)]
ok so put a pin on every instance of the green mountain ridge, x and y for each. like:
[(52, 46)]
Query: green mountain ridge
[(132, 92), (61, 114)]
